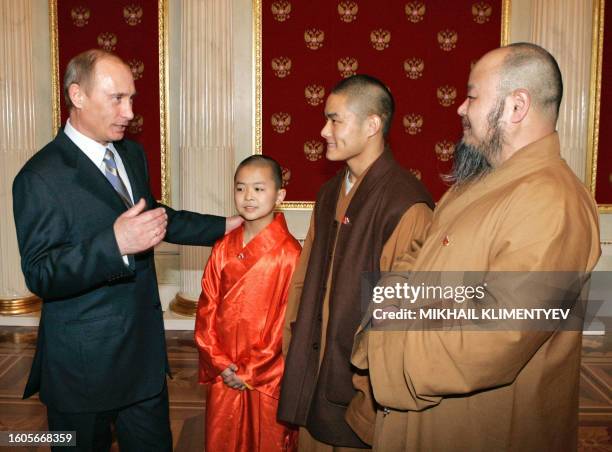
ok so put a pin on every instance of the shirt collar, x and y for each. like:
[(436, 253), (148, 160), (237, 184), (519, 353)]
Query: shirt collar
[(347, 182), (94, 150)]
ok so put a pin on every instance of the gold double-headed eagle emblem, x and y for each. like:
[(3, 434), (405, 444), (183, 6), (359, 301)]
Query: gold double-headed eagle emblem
[(447, 39), (286, 174), (313, 37), (313, 150), (481, 12), (314, 94), (380, 38), (281, 122), (281, 10), (416, 173), (446, 95), (132, 14), (281, 66), (348, 11), (348, 66), (444, 150), (415, 11), (80, 16), (413, 123), (136, 124), (414, 68), (137, 68), (107, 41)]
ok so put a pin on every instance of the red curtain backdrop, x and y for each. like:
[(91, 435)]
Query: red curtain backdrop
[(130, 30), (422, 50), (603, 184)]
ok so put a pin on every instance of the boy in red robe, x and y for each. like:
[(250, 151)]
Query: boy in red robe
[(241, 312)]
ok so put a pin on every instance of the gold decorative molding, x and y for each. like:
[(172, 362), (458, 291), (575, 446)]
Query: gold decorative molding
[(257, 49), (55, 84), (184, 306), (18, 306), (164, 129), (505, 22), (56, 87), (297, 205), (257, 55), (595, 99)]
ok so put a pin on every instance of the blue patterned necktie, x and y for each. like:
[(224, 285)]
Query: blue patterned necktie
[(111, 173)]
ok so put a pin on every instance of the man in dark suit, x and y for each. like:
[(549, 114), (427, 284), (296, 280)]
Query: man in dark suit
[(86, 226)]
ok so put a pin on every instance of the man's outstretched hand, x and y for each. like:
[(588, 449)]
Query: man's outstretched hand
[(232, 223), (137, 231)]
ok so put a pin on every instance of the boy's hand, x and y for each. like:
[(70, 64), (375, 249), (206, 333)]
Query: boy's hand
[(230, 378)]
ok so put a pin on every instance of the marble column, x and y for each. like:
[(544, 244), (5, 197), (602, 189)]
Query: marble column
[(564, 28), (206, 114), (17, 142)]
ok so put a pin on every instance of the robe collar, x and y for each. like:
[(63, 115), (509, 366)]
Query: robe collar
[(529, 159), (369, 180), (264, 242)]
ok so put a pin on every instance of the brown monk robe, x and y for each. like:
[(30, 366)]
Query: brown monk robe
[(409, 232), (350, 229)]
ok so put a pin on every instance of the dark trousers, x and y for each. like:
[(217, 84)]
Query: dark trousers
[(141, 427)]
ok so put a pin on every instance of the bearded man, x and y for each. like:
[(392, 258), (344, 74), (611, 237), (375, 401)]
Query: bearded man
[(515, 207)]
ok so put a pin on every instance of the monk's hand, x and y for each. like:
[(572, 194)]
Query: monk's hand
[(137, 230), (232, 223), (231, 379)]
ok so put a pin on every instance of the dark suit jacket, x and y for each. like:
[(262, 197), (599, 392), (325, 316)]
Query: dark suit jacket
[(101, 341)]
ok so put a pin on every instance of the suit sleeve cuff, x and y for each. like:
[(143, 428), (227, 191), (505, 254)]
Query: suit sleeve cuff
[(117, 268)]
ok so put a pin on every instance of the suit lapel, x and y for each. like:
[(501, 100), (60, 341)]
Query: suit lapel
[(87, 176)]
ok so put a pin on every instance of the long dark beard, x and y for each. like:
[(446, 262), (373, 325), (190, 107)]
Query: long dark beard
[(469, 164), (473, 162)]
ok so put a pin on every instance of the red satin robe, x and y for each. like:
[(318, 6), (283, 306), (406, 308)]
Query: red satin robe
[(240, 320)]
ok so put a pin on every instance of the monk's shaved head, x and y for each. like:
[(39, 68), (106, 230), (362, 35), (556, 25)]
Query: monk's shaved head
[(531, 67), (367, 96), (263, 161)]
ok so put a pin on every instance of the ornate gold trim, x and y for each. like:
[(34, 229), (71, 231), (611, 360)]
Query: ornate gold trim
[(257, 49), (56, 88), (505, 22), (164, 129), (595, 100), (55, 84), (18, 306), (297, 205), (184, 306), (257, 123)]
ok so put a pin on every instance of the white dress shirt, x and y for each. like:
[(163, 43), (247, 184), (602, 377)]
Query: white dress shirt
[(95, 151), (347, 182)]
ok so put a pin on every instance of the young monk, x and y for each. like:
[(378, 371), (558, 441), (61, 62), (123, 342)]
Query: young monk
[(240, 317)]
